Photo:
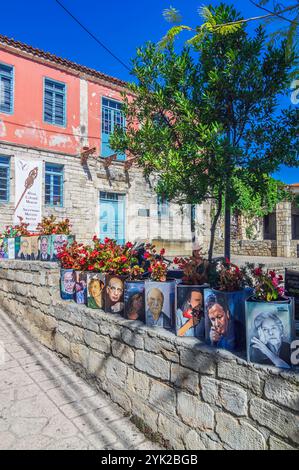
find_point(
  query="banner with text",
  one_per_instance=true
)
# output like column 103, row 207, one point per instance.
column 28, row 192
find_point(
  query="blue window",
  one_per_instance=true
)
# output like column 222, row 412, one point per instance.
column 4, row 178
column 54, row 185
column 6, row 88
column 112, row 116
column 54, row 102
column 163, row 206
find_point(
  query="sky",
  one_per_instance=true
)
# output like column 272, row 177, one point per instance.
column 122, row 25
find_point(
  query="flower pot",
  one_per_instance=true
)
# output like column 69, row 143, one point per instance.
column 80, row 287
column 58, row 241
column 67, row 284
column 269, row 331
column 11, row 248
column 159, row 303
column 45, row 243
column 225, row 318
column 3, row 248
column 29, row 248
column 134, row 300
column 189, row 310
column 114, row 293
column 95, row 290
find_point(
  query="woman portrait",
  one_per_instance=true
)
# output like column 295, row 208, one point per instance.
column 135, row 307
column 95, row 293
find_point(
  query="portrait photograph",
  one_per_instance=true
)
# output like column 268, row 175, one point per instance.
column 57, row 241
column 81, row 287
column 3, row 248
column 29, row 248
column 67, row 284
column 190, row 320
column 95, row 290
column 269, row 333
column 134, row 301
column 223, row 327
column 45, row 247
column 114, row 294
column 159, row 304
column 11, row 244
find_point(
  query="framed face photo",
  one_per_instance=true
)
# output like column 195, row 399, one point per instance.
column 159, row 303
column 269, row 333
column 67, row 284
column 11, row 248
column 95, row 290
column 114, row 294
column 223, row 328
column 190, row 311
column 3, row 248
column 134, row 300
column 58, row 241
column 81, row 287
column 45, row 244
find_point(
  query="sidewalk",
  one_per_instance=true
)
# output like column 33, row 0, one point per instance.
column 45, row 405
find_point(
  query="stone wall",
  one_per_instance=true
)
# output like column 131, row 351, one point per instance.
column 187, row 394
column 249, row 247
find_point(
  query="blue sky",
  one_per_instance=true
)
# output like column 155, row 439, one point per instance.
column 122, row 25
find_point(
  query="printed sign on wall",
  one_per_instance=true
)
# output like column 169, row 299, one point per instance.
column 28, row 192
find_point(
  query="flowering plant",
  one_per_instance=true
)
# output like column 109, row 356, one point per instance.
column 109, row 257
column 268, row 284
column 13, row 231
column 195, row 268
column 232, row 278
column 74, row 256
column 49, row 226
column 157, row 266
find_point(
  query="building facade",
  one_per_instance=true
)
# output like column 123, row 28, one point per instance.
column 61, row 113
column 55, row 111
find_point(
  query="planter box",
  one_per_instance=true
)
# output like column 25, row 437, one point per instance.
column 3, row 248
column 80, row 287
column 225, row 318
column 57, row 241
column 95, row 290
column 67, row 284
column 159, row 303
column 114, row 294
column 29, row 248
column 134, row 300
column 270, row 331
column 45, row 247
column 189, row 310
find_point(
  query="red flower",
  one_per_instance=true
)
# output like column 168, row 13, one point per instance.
column 146, row 255
column 162, row 251
column 129, row 245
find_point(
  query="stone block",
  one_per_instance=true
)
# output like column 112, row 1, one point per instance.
column 277, row 444
column 152, row 365
column 228, row 396
column 193, row 441
column 138, row 384
column 62, row 345
column 132, row 339
column 282, row 392
column 242, row 375
column 116, row 371
column 123, row 352
column 194, row 413
column 96, row 364
column 238, row 435
column 98, row 342
column 196, row 360
column 172, row 431
column 184, row 378
column 281, row 422
column 162, row 397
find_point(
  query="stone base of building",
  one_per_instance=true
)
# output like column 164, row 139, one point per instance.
column 249, row 247
column 187, row 394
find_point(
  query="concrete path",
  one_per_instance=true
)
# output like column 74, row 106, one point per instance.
column 44, row 405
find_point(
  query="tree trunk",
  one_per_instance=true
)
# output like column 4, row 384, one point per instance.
column 227, row 221
column 192, row 222
column 214, row 225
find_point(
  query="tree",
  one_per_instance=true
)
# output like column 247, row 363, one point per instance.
column 209, row 124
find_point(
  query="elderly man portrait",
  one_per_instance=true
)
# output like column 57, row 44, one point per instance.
column 154, row 314
column 114, row 298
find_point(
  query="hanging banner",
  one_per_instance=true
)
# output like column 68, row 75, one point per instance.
column 28, row 192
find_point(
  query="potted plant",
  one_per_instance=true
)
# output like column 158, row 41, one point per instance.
column 269, row 320
column 53, row 235
column 225, row 306
column 73, row 259
column 13, row 234
column 189, row 299
column 159, row 292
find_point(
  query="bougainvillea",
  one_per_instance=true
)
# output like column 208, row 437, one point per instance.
column 49, row 226
column 74, row 256
column 13, row 231
column 232, row 278
column 195, row 268
column 268, row 284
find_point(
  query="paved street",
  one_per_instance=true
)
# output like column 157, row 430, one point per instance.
column 44, row 405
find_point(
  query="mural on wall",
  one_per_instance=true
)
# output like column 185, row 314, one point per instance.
column 159, row 303
column 114, row 294
column 269, row 332
column 134, row 300
column 95, row 290
column 190, row 311
column 28, row 192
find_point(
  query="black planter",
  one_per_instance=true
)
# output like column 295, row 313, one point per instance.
column 225, row 318
column 269, row 331
column 134, row 300
column 159, row 303
column 189, row 310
